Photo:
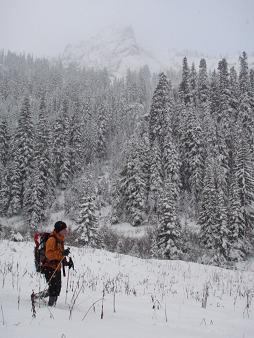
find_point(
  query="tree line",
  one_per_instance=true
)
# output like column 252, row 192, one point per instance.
column 171, row 152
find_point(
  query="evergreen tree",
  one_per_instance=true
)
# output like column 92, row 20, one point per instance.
column 24, row 145
column 208, row 211
column 192, row 155
column 171, row 163
column 238, row 241
column 77, row 155
column 244, row 74
column 252, row 80
column 156, row 178
column 43, row 156
column 235, row 93
column 225, row 119
column 214, row 96
column 4, row 192
column 4, row 143
column 169, row 233
column 15, row 202
column 245, row 178
column 102, row 129
column 88, row 231
column 65, row 170
column 159, row 111
column 61, row 148
column 203, row 85
column 132, row 185
column 34, row 199
column 58, row 148
column 194, row 85
column 185, row 87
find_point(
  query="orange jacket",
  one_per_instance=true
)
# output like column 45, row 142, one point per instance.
column 54, row 250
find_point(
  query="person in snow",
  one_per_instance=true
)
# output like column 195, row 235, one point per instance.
column 55, row 258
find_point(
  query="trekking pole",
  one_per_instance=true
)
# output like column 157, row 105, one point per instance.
column 55, row 270
column 71, row 265
column 67, row 286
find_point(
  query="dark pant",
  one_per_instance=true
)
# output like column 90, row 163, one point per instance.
column 54, row 282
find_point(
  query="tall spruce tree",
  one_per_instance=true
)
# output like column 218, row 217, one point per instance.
column 4, row 191
column 185, row 87
column 88, row 231
column 159, row 111
column 208, row 211
column 4, row 142
column 22, row 158
column 133, row 185
column 245, row 178
column 76, row 137
column 169, row 232
column 237, row 235
column 156, row 178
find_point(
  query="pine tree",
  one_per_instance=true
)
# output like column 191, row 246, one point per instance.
column 221, row 233
column 194, row 85
column 4, row 192
column 235, row 93
column 88, row 231
column 214, row 93
column 15, row 202
column 22, row 159
column 65, row 170
column 61, row 148
column 156, row 178
column 203, row 85
column 169, row 233
column 43, row 156
column 252, row 80
column 225, row 120
column 244, row 74
column 185, row 87
column 24, row 145
column 208, row 211
column 102, row 129
column 159, row 111
column 4, row 143
column 77, row 154
column 245, row 178
column 192, row 155
column 34, row 199
column 245, row 115
column 238, row 241
column 171, row 164
column 58, row 148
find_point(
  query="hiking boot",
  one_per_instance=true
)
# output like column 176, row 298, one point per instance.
column 52, row 300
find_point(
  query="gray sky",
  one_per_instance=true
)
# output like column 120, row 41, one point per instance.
column 44, row 27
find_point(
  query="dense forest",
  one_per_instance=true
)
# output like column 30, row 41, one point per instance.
column 156, row 154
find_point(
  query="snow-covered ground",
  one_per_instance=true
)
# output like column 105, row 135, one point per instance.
column 152, row 298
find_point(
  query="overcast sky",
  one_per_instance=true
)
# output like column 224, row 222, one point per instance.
column 44, row 27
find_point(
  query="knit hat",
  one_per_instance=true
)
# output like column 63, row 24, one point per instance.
column 59, row 226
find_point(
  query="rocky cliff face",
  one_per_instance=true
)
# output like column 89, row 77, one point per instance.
column 114, row 49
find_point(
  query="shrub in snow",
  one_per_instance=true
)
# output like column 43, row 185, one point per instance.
column 16, row 236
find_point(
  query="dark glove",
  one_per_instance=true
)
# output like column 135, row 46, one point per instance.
column 71, row 264
column 66, row 252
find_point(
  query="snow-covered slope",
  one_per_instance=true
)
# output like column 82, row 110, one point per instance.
column 115, row 49
column 143, row 298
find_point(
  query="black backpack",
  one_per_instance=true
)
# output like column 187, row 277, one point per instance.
column 40, row 240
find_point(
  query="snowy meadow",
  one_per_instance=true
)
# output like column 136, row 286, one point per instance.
column 113, row 295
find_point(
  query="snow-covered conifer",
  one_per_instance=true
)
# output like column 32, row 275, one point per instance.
column 169, row 232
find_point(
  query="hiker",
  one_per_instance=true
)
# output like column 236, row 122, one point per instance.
column 55, row 257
